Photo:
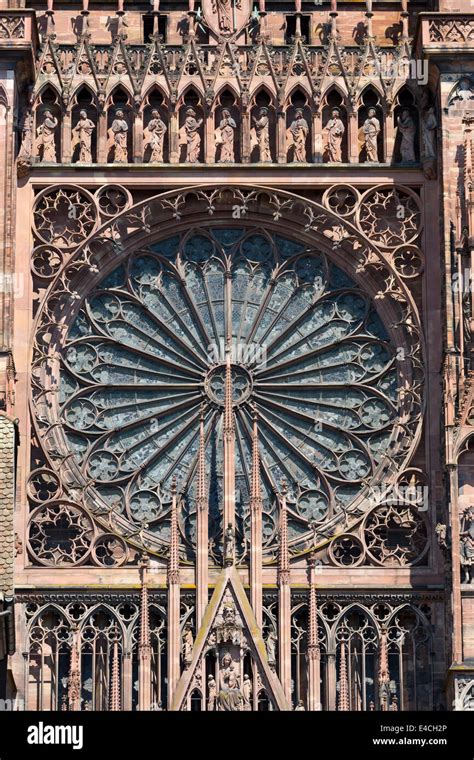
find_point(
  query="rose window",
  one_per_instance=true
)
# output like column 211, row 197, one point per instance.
column 146, row 355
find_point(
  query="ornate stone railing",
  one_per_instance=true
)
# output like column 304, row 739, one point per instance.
column 446, row 30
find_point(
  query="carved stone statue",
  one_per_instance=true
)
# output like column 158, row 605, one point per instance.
column 224, row 136
column 429, row 125
column 270, row 644
column 247, row 693
column 300, row 706
column 260, row 135
column 82, row 136
column 296, row 136
column 211, row 693
column 467, row 543
column 26, row 149
column 441, row 535
column 189, row 136
column 154, row 136
column 188, row 643
column 229, row 545
column 464, row 92
column 371, row 129
column 118, row 139
column 230, row 696
column 223, row 9
column 45, row 146
column 334, row 133
column 407, row 129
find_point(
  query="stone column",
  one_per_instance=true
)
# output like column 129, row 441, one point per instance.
column 137, row 136
column 331, row 679
column 353, row 136
column 317, row 137
column 66, row 127
column 102, row 137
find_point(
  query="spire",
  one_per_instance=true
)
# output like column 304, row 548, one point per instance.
column 201, row 474
column 343, row 684
column 313, row 641
column 144, row 613
column 156, row 14
column 333, row 16
column 404, row 17
column 228, row 409
column 314, row 654
column 120, row 13
column 202, row 528
column 256, row 527
column 229, row 446
column 384, row 675
column 115, row 678
column 255, row 485
column 85, row 22
column 144, row 646
column 74, row 679
column 50, row 18
column 369, row 15
column 284, row 560
column 173, row 564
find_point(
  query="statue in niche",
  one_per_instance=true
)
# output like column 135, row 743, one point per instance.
column 224, row 11
column 229, row 545
column 467, row 543
column 300, row 706
column 370, row 131
column 296, row 136
column 211, row 693
column 224, row 136
column 188, row 643
column 260, row 135
column 118, row 139
column 270, row 644
column 82, row 136
column 230, row 696
column 189, row 136
column 26, row 149
column 154, row 136
column 334, row 133
column 429, row 125
column 27, row 136
column 464, row 92
column 247, row 693
column 45, row 140
column 407, row 129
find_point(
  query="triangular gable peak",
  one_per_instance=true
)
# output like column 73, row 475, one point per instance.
column 229, row 634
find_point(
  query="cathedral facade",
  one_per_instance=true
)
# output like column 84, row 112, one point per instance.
column 236, row 389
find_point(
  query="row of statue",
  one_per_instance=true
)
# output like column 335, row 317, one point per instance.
column 190, row 138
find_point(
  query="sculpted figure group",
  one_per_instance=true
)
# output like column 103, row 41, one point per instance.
column 191, row 133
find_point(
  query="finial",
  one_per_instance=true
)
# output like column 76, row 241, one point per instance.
column 50, row 17
column 333, row 15
column 404, row 15
column 173, row 484
column 368, row 15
